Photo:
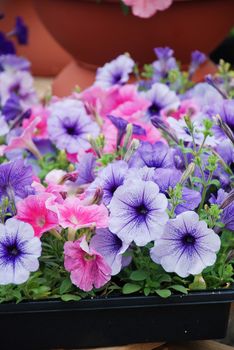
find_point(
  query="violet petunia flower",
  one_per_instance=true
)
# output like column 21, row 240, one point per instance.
column 115, row 72
column 69, row 125
column 197, row 58
column 12, row 108
column 20, row 31
column 20, row 83
column 138, row 212
column 85, row 169
column 166, row 62
column 110, row 247
column 158, row 155
column 15, row 180
column 227, row 217
column 169, row 178
column 187, row 246
column 19, row 252
column 13, row 62
column 6, row 46
column 109, row 179
column 161, row 98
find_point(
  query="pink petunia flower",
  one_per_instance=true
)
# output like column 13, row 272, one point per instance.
column 76, row 215
column 147, row 8
column 88, row 268
column 34, row 211
column 187, row 107
column 25, row 139
column 40, row 132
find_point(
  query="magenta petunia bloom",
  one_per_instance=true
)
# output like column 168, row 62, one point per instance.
column 33, row 210
column 88, row 268
column 187, row 246
column 73, row 213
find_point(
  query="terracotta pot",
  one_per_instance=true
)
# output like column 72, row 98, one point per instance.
column 46, row 55
column 95, row 33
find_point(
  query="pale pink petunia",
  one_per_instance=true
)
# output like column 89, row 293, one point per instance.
column 25, row 139
column 147, row 8
column 55, row 176
column 187, row 107
column 40, row 131
column 88, row 268
column 73, row 213
column 33, row 210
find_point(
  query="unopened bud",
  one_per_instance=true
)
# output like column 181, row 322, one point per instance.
column 224, row 127
column 187, row 173
column 132, row 149
column 228, row 200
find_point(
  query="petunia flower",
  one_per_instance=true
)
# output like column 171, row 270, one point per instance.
column 6, row 46
column 69, row 125
column 15, row 179
column 161, row 98
column 147, row 8
column 34, row 211
column 13, row 63
column 25, row 141
column 20, row 31
column 19, row 252
column 40, row 132
column 12, row 108
column 187, row 246
column 110, row 247
column 115, row 72
column 72, row 213
column 88, row 267
column 138, row 212
column 166, row 62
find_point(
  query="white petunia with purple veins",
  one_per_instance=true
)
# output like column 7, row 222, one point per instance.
column 115, row 72
column 187, row 246
column 138, row 212
column 111, row 247
column 19, row 252
column 69, row 125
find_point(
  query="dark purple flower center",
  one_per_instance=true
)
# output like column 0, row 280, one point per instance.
column 188, row 239
column 13, row 250
column 116, row 78
column 15, row 88
column 72, row 129
column 154, row 109
column 142, row 209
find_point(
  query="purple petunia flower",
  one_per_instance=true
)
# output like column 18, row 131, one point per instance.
column 20, row 83
column 85, row 169
column 19, row 252
column 161, row 97
column 121, row 125
column 110, row 247
column 227, row 217
column 15, row 179
column 6, row 46
column 169, row 178
column 115, row 72
column 12, row 108
column 138, row 212
column 164, row 64
column 109, row 179
column 225, row 109
column 197, row 58
column 13, row 62
column 157, row 155
column 187, row 246
column 69, row 125
column 20, row 31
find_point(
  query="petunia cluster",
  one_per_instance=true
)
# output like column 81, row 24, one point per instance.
column 123, row 187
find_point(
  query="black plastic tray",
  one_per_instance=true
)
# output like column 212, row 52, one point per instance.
column 114, row 321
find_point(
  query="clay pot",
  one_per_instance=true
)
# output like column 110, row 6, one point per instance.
column 94, row 33
column 46, row 55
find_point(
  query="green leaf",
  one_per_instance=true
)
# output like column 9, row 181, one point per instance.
column 164, row 278
column 214, row 182
column 65, row 286
column 179, row 288
column 146, row 291
column 70, row 297
column 138, row 276
column 129, row 288
column 197, row 179
column 164, row 293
